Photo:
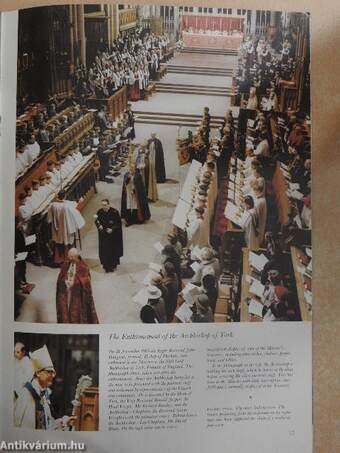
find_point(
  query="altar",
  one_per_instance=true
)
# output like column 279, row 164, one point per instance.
column 212, row 32
column 212, row 40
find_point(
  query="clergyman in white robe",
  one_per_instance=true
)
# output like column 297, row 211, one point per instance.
column 66, row 220
column 249, row 223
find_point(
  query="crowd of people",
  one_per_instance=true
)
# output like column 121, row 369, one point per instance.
column 175, row 284
column 265, row 138
column 263, row 67
column 246, row 154
column 111, row 144
column 165, row 292
column 40, row 128
column 132, row 61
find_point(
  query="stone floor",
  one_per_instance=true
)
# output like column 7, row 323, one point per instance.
column 184, row 103
column 193, row 79
column 113, row 293
column 206, row 60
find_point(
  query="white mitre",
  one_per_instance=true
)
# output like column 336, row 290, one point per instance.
column 41, row 359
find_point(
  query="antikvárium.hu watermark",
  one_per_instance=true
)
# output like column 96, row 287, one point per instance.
column 24, row 445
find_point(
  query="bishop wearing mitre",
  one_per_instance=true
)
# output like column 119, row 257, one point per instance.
column 33, row 409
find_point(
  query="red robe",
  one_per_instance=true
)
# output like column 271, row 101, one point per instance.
column 81, row 309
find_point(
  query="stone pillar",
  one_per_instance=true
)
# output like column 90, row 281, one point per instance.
column 114, row 20
column 109, row 25
column 117, row 21
column 272, row 19
column 75, row 33
column 177, row 25
column 253, row 22
column 72, row 62
column 81, row 32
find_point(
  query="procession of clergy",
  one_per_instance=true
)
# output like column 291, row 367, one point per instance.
column 146, row 168
column 160, row 297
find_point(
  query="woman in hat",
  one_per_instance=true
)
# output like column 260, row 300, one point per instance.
column 155, row 301
column 209, row 265
column 203, row 312
column 157, row 281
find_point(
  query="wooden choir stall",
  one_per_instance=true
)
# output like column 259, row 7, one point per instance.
column 115, row 104
column 79, row 184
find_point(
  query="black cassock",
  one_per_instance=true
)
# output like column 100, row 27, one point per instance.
column 159, row 160
column 110, row 244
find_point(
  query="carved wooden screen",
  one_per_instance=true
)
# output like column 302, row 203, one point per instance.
column 96, row 31
column 59, row 49
column 33, row 69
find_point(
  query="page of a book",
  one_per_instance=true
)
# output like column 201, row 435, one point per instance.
column 162, row 291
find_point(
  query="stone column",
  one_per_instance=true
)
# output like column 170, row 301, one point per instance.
column 253, row 22
column 75, row 33
column 177, row 25
column 273, row 19
column 114, row 20
column 81, row 32
column 72, row 62
column 117, row 21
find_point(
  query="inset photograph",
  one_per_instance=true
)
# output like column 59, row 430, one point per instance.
column 56, row 382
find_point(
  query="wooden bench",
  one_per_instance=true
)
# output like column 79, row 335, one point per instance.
column 223, row 309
